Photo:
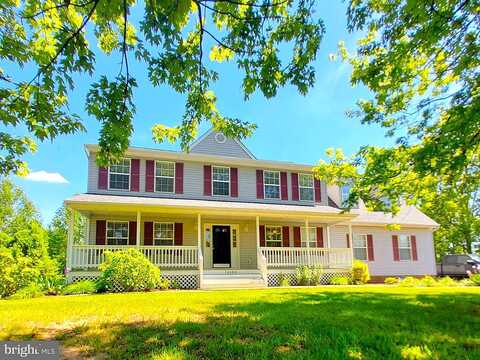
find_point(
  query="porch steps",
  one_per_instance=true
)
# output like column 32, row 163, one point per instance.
column 232, row 279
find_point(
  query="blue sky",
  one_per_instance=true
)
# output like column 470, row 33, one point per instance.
column 291, row 127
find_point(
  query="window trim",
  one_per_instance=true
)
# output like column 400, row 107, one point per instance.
column 129, row 176
column 117, row 221
column 356, row 247
column 306, row 187
column 281, row 234
column 229, row 180
column 279, row 185
column 155, row 176
column 409, row 248
column 309, row 239
column 164, row 222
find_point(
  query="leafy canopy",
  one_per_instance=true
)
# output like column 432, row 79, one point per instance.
column 173, row 40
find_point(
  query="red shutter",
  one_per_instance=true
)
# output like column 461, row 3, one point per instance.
column 233, row 182
column 132, row 233
column 370, row 255
column 148, row 233
column 285, row 236
column 294, row 186
column 348, row 240
column 262, row 235
column 396, row 252
column 135, row 175
column 178, row 178
column 101, row 232
column 318, row 191
column 103, row 178
column 260, row 194
column 207, row 180
column 297, row 237
column 320, row 237
column 283, row 185
column 178, row 234
column 149, row 176
column 413, row 241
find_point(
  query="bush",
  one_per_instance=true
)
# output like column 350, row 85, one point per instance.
column 447, row 281
column 283, row 280
column 475, row 279
column 164, row 284
column 308, row 275
column 360, row 274
column 339, row 280
column 391, row 280
column 80, row 287
column 128, row 269
column 428, row 281
column 317, row 272
column 28, row 292
column 409, row 281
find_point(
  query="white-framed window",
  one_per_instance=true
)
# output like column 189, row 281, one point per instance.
column 119, row 175
column 312, row 237
column 165, row 176
column 305, row 185
column 344, row 194
column 360, row 247
column 163, row 233
column 220, row 180
column 273, row 236
column 271, row 184
column 405, row 247
column 117, row 232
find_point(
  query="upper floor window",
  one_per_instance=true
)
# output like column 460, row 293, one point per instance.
column 164, row 176
column 311, row 240
column 119, row 175
column 405, row 247
column 360, row 247
column 163, row 234
column 305, row 185
column 117, row 232
column 344, row 194
column 273, row 236
column 220, row 180
column 271, row 181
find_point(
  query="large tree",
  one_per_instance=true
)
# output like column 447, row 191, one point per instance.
column 172, row 39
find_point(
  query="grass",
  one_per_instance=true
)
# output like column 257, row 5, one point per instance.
column 369, row 322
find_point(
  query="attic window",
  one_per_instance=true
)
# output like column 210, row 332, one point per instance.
column 220, row 138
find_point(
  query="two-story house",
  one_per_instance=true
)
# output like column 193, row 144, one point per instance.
column 219, row 217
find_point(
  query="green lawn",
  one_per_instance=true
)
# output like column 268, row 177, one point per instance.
column 370, row 322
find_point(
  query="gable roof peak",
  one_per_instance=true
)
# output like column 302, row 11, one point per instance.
column 216, row 143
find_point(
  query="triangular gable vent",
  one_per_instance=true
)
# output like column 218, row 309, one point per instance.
column 216, row 143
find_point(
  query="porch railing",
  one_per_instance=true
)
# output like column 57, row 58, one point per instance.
column 288, row 257
column 91, row 256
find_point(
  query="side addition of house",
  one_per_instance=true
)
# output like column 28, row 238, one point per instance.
column 219, row 217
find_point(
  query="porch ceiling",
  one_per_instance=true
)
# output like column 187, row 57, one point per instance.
column 88, row 203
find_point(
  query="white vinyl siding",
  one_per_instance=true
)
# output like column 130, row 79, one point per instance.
column 117, row 233
column 405, row 247
column 119, row 175
column 271, row 181
column 164, row 176
column 273, row 236
column 360, row 247
column 305, row 185
column 163, row 234
column 220, row 180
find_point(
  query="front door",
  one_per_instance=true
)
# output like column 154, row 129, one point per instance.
column 221, row 246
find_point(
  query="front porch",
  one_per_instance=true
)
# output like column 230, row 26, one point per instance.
column 202, row 245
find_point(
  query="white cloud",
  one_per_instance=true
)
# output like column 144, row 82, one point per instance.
column 43, row 176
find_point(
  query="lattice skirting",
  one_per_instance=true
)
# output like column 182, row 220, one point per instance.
column 185, row 280
column 274, row 277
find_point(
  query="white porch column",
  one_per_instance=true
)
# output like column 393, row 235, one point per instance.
column 71, row 221
column 199, row 231
column 350, row 236
column 329, row 245
column 257, row 221
column 307, row 238
column 199, row 249
column 139, row 226
column 86, row 237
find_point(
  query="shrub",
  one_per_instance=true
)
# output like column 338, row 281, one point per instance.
column 339, row 280
column 173, row 284
column 428, row 281
column 128, row 269
column 360, row 274
column 475, row 279
column 164, row 284
column 80, row 287
column 391, row 280
column 28, row 292
column 303, row 275
column 283, row 280
column 409, row 281
column 447, row 281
